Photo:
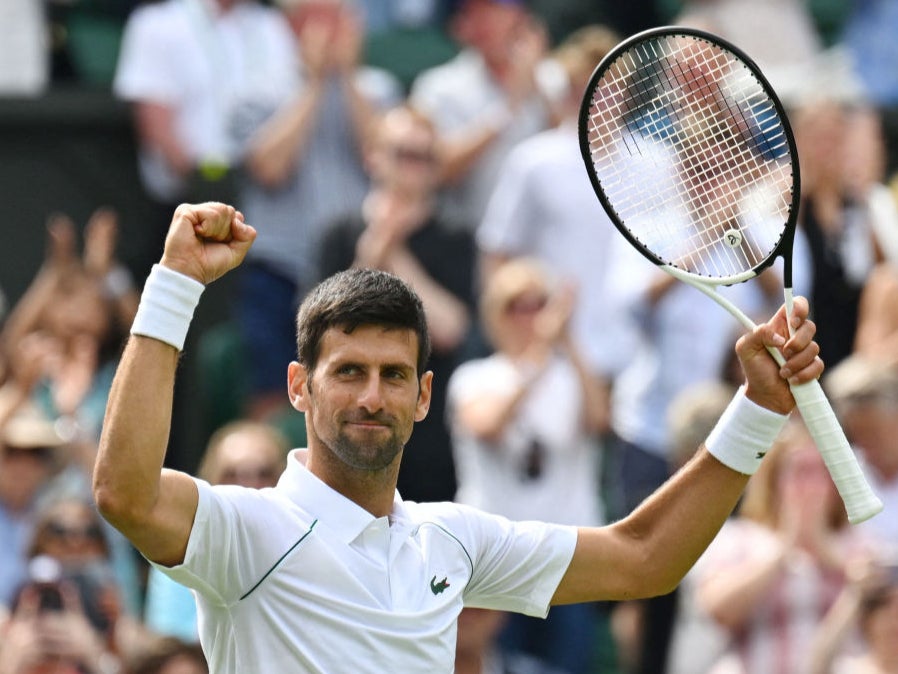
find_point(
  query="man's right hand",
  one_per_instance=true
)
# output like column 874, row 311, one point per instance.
column 205, row 241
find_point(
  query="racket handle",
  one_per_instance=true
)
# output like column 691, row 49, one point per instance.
column 860, row 501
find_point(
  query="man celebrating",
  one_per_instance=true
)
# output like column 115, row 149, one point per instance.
column 331, row 570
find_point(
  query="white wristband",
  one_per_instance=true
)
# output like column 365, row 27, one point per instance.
column 744, row 434
column 166, row 306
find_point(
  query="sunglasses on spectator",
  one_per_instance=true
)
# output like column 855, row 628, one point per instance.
column 35, row 453
column 413, row 155
column 526, row 304
column 90, row 532
column 239, row 474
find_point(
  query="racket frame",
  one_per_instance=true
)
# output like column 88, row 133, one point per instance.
column 860, row 501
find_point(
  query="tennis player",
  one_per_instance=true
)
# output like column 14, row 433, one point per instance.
column 331, row 571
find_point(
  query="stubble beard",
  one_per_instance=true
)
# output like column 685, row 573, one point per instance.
column 369, row 457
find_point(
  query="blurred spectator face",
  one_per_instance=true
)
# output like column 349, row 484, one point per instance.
column 23, row 471
column 70, row 532
column 29, row 446
column 803, row 476
column 404, row 157
column 872, row 425
column 802, row 485
column 79, row 310
column 820, row 131
column 490, row 26
column 250, row 455
column 513, row 299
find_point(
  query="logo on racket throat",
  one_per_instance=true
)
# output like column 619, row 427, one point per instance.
column 733, row 238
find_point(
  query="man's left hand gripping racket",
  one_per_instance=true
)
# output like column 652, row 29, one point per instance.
column 692, row 156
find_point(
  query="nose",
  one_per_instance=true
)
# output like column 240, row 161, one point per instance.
column 371, row 396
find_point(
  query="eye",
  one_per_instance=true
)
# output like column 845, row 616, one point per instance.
column 348, row 370
column 394, row 373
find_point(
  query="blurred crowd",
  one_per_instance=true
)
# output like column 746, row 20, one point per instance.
column 437, row 140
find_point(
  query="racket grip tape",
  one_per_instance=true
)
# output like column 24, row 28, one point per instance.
column 860, row 502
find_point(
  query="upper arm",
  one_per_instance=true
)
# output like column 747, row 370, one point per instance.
column 162, row 534
column 606, row 566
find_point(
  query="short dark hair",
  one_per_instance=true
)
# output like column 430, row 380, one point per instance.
column 357, row 297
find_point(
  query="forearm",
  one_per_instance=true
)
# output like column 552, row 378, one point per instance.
column 276, row 148
column 26, row 313
column 447, row 316
column 833, row 630
column 731, row 596
column 594, row 389
column 156, row 128
column 462, row 151
column 362, row 113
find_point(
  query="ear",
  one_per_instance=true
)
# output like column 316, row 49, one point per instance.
column 297, row 386
column 424, row 395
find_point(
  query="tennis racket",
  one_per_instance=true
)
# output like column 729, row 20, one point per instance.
column 691, row 154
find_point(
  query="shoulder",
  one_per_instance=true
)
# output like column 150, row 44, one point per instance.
column 157, row 17
column 493, row 369
column 449, row 74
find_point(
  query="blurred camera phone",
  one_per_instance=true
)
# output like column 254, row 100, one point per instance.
column 50, row 597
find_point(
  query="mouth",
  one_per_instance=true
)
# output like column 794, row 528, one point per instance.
column 369, row 424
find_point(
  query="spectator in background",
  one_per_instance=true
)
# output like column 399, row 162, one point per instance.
column 543, row 206
column 245, row 453
column 865, row 177
column 833, row 218
column 780, row 35
column 866, row 611
column 302, row 158
column 771, row 580
column 399, row 230
column 864, row 393
column 24, row 49
column 62, row 341
column 69, row 532
column 184, row 66
column 72, row 320
column 525, row 424
column 497, row 91
column 68, row 613
column 30, row 454
column 876, row 337
column 49, row 630
column 170, row 656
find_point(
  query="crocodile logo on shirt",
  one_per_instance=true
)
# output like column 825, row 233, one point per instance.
column 436, row 587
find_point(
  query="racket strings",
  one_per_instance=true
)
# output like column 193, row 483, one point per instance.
column 691, row 154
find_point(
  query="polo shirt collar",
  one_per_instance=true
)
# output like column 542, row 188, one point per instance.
column 341, row 515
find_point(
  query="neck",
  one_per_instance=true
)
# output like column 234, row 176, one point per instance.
column 372, row 490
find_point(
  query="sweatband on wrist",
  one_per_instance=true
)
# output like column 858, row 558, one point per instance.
column 166, row 307
column 744, row 434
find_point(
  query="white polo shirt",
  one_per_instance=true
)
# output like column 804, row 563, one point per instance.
column 298, row 578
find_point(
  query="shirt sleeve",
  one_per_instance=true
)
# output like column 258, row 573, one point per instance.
column 508, row 223
column 228, row 552
column 143, row 71
column 517, row 566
